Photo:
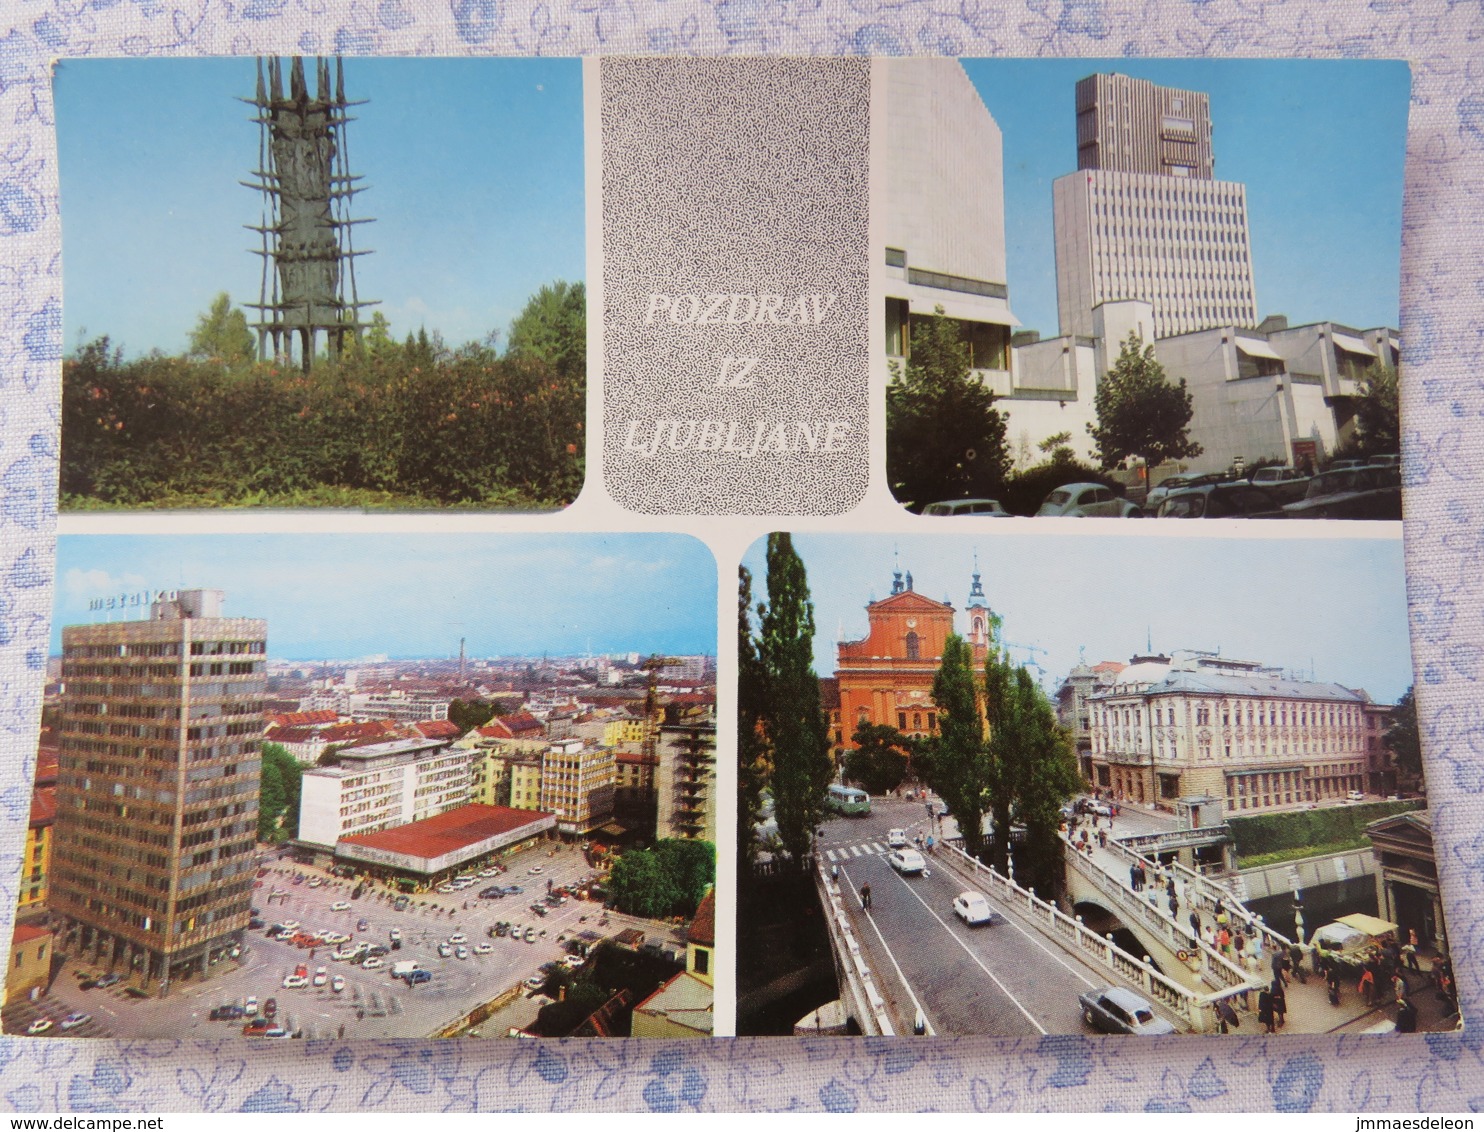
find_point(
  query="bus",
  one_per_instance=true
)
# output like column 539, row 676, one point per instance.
column 848, row 800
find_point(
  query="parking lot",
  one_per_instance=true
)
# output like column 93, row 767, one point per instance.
column 372, row 1003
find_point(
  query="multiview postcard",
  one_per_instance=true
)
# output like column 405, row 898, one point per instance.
column 358, row 786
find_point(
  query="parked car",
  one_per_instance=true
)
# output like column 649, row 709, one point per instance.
column 987, row 508
column 295, row 982
column 906, row 861
column 40, row 1026
column 270, row 1008
column 75, row 1019
column 461, row 952
column 1113, row 1010
column 1220, row 501
column 337, row 984
column 1083, row 500
column 229, row 1013
column 321, row 977
column 372, row 963
column 1171, row 484
column 1355, row 796
column 109, row 980
column 418, row 976
column 972, row 908
column 400, row 904
column 444, row 951
column 340, row 906
column 1351, row 493
column 1285, row 484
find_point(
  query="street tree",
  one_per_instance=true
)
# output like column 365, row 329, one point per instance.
column 956, row 763
column 1001, row 711
column 222, row 335
column 1140, row 413
column 880, row 758
column 640, row 885
column 279, row 778
column 1403, row 737
column 752, row 746
column 691, row 869
column 466, row 715
column 1378, row 415
column 944, row 437
column 1047, row 776
column 793, row 717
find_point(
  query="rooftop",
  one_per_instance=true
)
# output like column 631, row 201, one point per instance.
column 448, row 832
column 703, row 927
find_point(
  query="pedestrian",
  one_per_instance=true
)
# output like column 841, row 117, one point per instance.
column 1103, row 838
column 1280, row 961
column 1411, row 951
column 1406, row 1017
column 1280, row 1002
column 1399, row 986
column 1296, row 961
column 1367, row 983
column 1265, row 1011
column 1174, row 906
column 1133, row 876
column 1171, row 888
column 835, row 873
column 1226, row 1017
column 1195, row 922
column 866, row 897
column 1332, row 980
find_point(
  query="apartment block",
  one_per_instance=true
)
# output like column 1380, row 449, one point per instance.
column 381, row 785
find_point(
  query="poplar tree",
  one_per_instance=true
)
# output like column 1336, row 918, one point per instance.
column 792, row 715
column 957, row 763
column 1048, row 776
column 752, row 748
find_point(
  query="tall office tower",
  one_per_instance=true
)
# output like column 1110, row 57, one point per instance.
column 1143, row 218
column 157, row 789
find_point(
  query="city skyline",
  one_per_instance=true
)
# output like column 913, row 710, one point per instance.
column 1349, row 628
column 337, row 597
column 474, row 172
column 1326, row 231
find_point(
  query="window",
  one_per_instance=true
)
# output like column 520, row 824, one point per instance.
column 703, row 961
column 914, row 646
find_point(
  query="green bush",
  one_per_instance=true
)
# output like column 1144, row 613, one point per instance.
column 1024, row 492
column 1263, row 834
column 403, row 426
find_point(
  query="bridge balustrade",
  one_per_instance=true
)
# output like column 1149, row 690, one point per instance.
column 863, row 1000
column 1198, row 1010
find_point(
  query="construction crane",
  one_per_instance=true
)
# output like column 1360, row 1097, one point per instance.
column 1031, row 661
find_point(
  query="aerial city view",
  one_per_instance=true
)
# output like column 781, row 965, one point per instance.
column 1106, row 294
column 1098, row 785
column 500, row 822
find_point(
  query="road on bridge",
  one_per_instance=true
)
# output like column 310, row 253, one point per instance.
column 1001, row 979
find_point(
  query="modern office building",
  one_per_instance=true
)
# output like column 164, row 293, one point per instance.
column 577, row 783
column 942, row 211
column 1173, row 727
column 157, row 790
column 1144, row 217
column 381, row 785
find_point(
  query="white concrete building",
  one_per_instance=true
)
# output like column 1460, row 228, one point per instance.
column 403, row 707
column 1194, row 723
column 381, row 785
column 577, row 784
column 941, row 209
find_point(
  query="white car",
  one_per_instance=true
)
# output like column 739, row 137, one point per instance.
column 290, row 926
column 334, row 937
column 906, row 861
column 444, row 951
column 987, row 507
column 340, row 906
column 294, row 982
column 1084, row 499
column 973, row 908
column 72, row 1021
column 483, row 948
column 395, row 934
column 461, row 952
column 572, row 962
column 372, row 963
column 40, row 1026
column 321, row 977
column 458, row 937
column 1355, row 796
column 896, row 838
column 337, row 984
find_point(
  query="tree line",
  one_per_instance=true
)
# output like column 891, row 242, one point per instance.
column 393, row 423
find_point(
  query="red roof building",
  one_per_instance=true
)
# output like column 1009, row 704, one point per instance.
column 444, row 843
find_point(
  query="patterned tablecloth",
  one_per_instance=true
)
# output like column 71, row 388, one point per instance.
column 1443, row 343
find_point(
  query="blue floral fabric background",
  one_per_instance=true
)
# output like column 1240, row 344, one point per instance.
column 1443, row 343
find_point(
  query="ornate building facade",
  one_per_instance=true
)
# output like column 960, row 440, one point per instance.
column 1199, row 724
column 886, row 678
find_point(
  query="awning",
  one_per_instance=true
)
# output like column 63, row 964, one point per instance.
column 1257, row 349
column 1353, row 344
column 1371, row 925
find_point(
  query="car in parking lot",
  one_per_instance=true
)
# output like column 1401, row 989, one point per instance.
column 444, row 951
column 972, row 908
column 1355, row 796
column 461, row 952
column 228, row 1013
column 988, row 508
column 1220, row 501
column 362, row 924
column 530, row 935
column 340, row 906
column 321, row 977
column 315, row 882
column 906, row 861
column 372, row 963
column 337, row 984
column 334, row 937
column 1171, row 484
column 294, row 982
column 1084, row 500
column 270, row 1008
column 1114, row 1010
column 400, row 904
column 75, row 1019
column 458, row 937
column 1351, row 493
column 394, row 935
column 483, row 948
column 414, row 978
column 250, row 1005
column 572, row 962
column 109, row 980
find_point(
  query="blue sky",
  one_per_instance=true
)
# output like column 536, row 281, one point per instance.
column 1338, row 604
column 1320, row 146
column 346, row 596
column 475, row 168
